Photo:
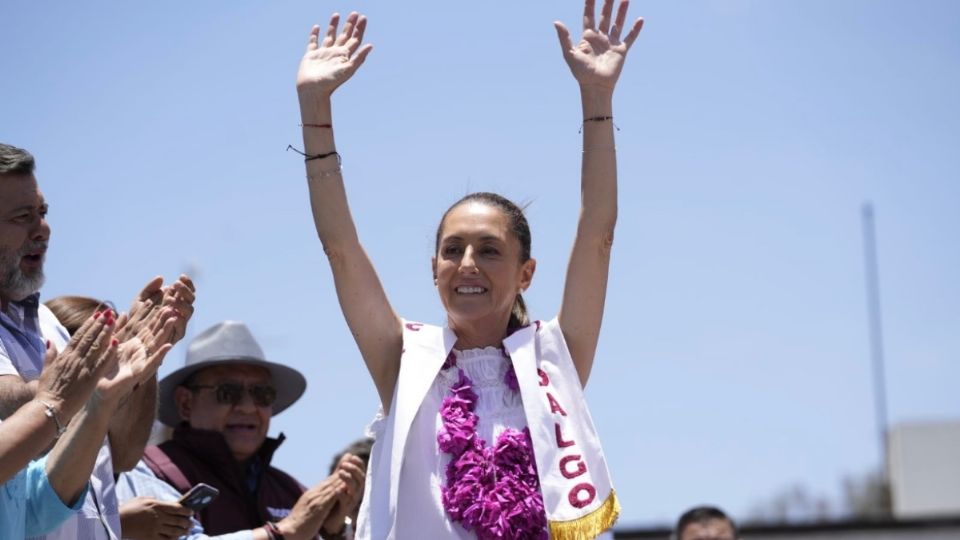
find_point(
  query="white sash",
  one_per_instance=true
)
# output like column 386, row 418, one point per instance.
column 578, row 495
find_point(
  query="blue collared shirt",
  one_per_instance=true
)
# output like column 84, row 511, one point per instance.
column 21, row 346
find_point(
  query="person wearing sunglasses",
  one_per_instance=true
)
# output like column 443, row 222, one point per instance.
column 220, row 404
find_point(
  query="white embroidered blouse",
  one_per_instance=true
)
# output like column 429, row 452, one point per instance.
column 420, row 512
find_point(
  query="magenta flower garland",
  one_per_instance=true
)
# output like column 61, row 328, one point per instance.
column 492, row 491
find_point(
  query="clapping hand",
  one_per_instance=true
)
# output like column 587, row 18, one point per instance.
column 350, row 469
column 312, row 509
column 69, row 378
column 179, row 297
column 598, row 58
column 134, row 366
column 154, row 309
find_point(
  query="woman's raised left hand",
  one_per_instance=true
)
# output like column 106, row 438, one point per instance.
column 598, row 58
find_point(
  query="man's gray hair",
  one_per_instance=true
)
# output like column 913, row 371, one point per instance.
column 15, row 160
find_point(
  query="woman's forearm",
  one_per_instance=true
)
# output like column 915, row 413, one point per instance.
column 71, row 461
column 328, row 197
column 23, row 436
column 584, row 293
column 131, row 426
column 599, row 165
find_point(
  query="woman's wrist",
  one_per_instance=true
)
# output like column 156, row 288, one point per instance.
column 102, row 402
column 273, row 532
column 315, row 107
column 46, row 396
column 596, row 101
column 313, row 91
column 596, row 91
column 100, row 407
column 53, row 413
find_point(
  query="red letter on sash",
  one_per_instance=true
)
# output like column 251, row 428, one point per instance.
column 414, row 326
column 560, row 442
column 581, row 466
column 574, row 498
column 554, row 406
column 544, row 380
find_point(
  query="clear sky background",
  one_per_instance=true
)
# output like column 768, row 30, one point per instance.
column 734, row 358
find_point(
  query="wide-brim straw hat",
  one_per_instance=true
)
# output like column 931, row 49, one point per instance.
column 229, row 342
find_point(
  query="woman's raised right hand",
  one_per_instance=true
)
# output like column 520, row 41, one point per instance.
column 70, row 377
column 331, row 62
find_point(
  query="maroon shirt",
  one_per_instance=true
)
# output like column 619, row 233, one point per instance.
column 193, row 456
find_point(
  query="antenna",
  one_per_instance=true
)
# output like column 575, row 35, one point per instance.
column 876, row 332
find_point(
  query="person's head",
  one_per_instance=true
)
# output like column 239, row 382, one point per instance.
column 360, row 448
column 482, row 262
column 73, row 311
column 229, row 387
column 235, row 400
column 24, row 231
column 705, row 523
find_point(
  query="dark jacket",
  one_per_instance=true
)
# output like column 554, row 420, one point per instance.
column 195, row 455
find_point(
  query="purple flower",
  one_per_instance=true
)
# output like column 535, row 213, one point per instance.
column 493, row 491
column 512, row 449
column 454, row 441
column 463, row 389
column 450, row 361
column 510, row 378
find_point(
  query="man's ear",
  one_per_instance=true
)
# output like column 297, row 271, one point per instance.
column 183, row 398
column 433, row 266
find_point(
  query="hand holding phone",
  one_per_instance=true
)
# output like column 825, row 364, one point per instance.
column 199, row 497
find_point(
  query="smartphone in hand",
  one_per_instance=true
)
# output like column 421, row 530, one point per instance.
column 199, row 497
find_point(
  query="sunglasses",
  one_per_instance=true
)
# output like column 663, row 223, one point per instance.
column 232, row 393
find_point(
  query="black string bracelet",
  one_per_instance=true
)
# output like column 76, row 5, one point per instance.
column 308, row 157
column 598, row 119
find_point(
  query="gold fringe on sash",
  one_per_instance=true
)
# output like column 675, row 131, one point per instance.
column 589, row 526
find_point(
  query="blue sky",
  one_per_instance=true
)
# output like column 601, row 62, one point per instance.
column 733, row 360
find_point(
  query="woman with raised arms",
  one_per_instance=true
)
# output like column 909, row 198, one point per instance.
column 484, row 431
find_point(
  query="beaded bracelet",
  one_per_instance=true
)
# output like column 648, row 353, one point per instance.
column 598, row 119
column 324, row 174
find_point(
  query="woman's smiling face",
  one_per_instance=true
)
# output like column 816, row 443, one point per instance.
column 478, row 268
